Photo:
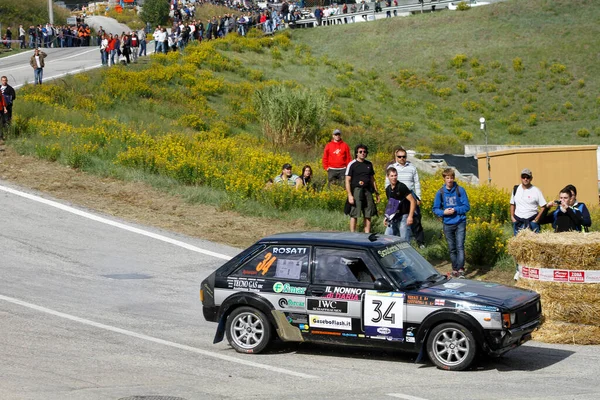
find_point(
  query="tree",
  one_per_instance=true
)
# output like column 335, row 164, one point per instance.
column 155, row 11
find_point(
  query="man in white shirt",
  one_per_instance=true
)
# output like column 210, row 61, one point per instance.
column 526, row 204
column 37, row 63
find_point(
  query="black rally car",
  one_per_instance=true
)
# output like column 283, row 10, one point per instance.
column 362, row 289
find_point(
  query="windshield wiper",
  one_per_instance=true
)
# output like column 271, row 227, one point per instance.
column 412, row 285
column 433, row 278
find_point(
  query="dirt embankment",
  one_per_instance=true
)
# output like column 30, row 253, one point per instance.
column 135, row 202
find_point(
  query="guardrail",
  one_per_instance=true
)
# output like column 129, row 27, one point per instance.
column 371, row 15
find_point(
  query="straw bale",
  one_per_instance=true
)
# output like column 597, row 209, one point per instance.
column 568, row 250
column 568, row 333
column 567, row 302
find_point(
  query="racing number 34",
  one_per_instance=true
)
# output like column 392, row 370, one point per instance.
column 388, row 315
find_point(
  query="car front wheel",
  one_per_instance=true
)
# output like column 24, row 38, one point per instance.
column 451, row 346
column 248, row 330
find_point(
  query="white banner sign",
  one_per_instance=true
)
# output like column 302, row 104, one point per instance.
column 559, row 275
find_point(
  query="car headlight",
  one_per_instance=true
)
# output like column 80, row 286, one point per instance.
column 508, row 319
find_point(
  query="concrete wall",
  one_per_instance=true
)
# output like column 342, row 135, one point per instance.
column 553, row 168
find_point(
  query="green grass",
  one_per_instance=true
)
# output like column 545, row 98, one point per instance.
column 28, row 12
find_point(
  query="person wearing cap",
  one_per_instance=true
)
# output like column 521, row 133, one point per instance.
column 527, row 204
column 287, row 178
column 336, row 158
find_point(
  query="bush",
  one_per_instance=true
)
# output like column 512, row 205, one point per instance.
column 290, row 115
column 463, row 6
column 515, row 129
column 583, row 133
column 155, row 11
column 518, row 64
column 485, row 242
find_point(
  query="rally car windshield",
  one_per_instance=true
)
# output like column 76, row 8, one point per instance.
column 406, row 266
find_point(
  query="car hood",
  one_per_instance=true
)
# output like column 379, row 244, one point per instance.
column 478, row 292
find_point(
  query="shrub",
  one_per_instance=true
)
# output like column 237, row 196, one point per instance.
column 558, row 68
column 583, row 133
column 568, row 105
column 290, row 115
column 485, row 242
column 581, row 83
column 463, row 6
column 458, row 60
column 155, row 11
column 518, row 64
column 532, row 120
column 462, row 87
column 515, row 129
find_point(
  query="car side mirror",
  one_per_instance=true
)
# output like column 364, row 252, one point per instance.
column 381, row 285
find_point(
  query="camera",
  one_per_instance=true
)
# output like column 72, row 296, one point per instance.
column 557, row 202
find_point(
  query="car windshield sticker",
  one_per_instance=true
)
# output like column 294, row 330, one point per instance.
column 264, row 266
column 327, row 322
column 453, row 285
column 289, row 250
column 393, row 248
column 332, row 306
column 384, row 314
column 288, row 269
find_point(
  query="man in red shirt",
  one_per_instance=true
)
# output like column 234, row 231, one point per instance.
column 336, row 157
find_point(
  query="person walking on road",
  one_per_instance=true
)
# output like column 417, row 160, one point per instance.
column 37, row 63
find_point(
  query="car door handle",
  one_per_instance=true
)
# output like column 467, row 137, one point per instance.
column 316, row 292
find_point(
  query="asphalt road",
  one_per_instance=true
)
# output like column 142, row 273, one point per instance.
column 96, row 308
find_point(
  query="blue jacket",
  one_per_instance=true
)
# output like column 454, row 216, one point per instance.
column 445, row 198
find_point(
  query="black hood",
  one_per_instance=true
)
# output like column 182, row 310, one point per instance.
column 478, row 292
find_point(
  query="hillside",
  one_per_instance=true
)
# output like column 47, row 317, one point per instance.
column 28, row 12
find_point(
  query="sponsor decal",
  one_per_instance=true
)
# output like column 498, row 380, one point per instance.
column 384, row 330
column 295, row 318
column 264, row 266
column 391, row 249
column 290, row 303
column 452, row 292
column 253, row 285
column 410, row 340
column 249, row 272
column 383, row 316
column 327, row 322
column 560, row 275
column 326, row 333
column 440, row 302
column 333, row 306
column 453, row 285
column 303, row 326
column 360, row 335
column 343, row 293
column 409, row 332
column 476, row 307
column 289, row 250
column 279, row 287
column 421, row 300
column 349, row 334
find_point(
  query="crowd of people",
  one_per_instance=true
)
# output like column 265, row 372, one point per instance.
column 402, row 215
column 48, row 36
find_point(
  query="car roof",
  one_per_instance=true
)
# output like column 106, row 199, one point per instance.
column 332, row 238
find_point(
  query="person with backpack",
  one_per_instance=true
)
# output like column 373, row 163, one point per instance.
column 401, row 206
column 452, row 204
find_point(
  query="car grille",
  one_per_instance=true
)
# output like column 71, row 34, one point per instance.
column 528, row 313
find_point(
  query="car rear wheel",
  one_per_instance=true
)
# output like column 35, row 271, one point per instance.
column 248, row 330
column 451, row 346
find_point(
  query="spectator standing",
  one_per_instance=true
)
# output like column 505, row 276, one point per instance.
column 360, row 187
column 141, row 35
column 32, row 37
column 22, row 37
column 9, row 95
column 336, row 157
column 527, row 204
column 452, row 204
column 104, row 50
column 409, row 175
column 398, row 217
column 3, row 112
column 585, row 213
column 566, row 217
column 287, row 178
column 8, row 37
column 37, row 63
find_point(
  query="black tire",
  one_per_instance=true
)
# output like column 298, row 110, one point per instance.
column 248, row 330
column 451, row 346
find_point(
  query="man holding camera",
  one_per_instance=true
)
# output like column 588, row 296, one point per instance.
column 526, row 204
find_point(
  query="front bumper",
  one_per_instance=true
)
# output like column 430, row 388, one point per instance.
column 210, row 313
column 500, row 341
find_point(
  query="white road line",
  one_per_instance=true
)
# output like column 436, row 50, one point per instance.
column 113, row 223
column 155, row 340
column 404, row 396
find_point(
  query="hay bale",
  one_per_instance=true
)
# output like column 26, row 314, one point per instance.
column 569, row 250
column 567, row 333
column 571, row 311
column 567, row 302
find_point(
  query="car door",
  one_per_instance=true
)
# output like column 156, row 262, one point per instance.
column 340, row 277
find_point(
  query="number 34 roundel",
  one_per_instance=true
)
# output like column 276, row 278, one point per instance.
column 384, row 315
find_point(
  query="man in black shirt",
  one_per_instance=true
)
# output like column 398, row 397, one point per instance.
column 400, row 208
column 9, row 96
column 360, row 186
